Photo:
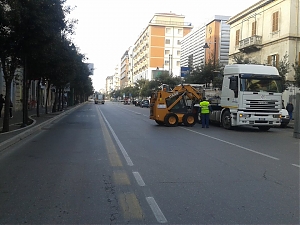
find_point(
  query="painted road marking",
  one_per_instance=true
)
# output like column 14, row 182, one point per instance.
column 120, row 178
column 129, row 201
column 138, row 178
column 296, row 165
column 229, row 143
column 156, row 210
column 125, row 154
column 130, row 206
column 113, row 155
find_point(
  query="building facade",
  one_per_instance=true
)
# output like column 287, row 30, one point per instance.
column 192, row 51
column 216, row 34
column 158, row 47
column 267, row 32
column 124, row 70
column 217, row 39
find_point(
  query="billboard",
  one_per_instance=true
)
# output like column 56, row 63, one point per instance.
column 184, row 71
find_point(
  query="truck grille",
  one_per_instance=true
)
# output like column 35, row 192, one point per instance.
column 272, row 105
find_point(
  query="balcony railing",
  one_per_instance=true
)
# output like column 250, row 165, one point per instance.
column 250, row 44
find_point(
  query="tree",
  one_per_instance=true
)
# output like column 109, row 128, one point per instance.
column 239, row 59
column 296, row 67
column 283, row 68
column 210, row 72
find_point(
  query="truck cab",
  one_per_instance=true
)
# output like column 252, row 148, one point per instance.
column 251, row 96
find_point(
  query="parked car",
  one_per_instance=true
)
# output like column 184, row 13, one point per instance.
column 145, row 103
column 138, row 102
column 285, row 118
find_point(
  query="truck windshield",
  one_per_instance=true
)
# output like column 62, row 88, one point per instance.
column 261, row 85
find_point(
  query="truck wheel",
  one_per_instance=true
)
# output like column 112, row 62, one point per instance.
column 226, row 120
column 189, row 119
column 264, row 128
column 159, row 122
column 171, row 120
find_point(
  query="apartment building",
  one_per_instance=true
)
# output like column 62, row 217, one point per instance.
column 192, row 51
column 266, row 32
column 124, row 70
column 215, row 34
column 130, row 67
column 158, row 47
column 109, row 87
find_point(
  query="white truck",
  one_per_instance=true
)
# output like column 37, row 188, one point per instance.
column 99, row 98
column 251, row 96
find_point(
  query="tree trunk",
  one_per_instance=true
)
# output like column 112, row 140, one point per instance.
column 47, row 95
column 38, row 98
column 5, row 127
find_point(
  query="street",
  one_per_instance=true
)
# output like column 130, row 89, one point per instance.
column 111, row 164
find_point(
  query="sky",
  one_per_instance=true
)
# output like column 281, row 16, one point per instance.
column 107, row 28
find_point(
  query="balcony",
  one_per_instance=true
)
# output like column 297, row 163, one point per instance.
column 250, row 44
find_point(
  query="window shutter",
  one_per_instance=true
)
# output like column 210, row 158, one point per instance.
column 269, row 60
column 254, row 28
column 277, row 60
column 237, row 37
column 275, row 21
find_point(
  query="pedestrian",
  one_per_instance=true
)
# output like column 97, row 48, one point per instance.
column 283, row 104
column 290, row 109
column 10, row 109
column 2, row 102
column 205, row 109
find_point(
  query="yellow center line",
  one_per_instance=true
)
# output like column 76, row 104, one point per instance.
column 113, row 155
column 130, row 206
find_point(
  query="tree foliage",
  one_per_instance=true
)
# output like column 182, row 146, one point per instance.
column 209, row 73
column 296, row 67
column 283, row 68
column 35, row 35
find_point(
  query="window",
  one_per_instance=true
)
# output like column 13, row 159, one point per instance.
column 166, row 62
column 237, row 37
column 253, row 28
column 167, row 52
column 168, row 30
column 178, row 52
column 178, row 63
column 273, row 60
column 178, row 42
column 179, row 31
column 168, row 41
column 275, row 21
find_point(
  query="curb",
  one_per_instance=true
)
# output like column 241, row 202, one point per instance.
column 9, row 142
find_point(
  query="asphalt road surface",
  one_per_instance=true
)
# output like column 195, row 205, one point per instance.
column 111, row 164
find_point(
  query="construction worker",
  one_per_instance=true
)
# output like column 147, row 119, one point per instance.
column 205, row 108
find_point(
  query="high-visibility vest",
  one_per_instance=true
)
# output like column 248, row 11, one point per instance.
column 204, row 107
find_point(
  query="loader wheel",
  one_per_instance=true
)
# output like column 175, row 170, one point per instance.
column 226, row 120
column 159, row 122
column 189, row 119
column 171, row 120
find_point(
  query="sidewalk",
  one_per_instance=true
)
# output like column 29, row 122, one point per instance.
column 17, row 133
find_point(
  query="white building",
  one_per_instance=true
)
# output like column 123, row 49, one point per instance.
column 266, row 32
column 216, row 34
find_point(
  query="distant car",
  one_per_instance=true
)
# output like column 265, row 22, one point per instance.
column 145, row 103
column 285, row 118
column 138, row 102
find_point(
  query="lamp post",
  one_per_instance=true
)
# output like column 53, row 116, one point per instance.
column 215, row 49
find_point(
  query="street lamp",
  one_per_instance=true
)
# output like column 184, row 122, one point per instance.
column 215, row 49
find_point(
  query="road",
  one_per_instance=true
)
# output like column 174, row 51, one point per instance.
column 111, row 164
